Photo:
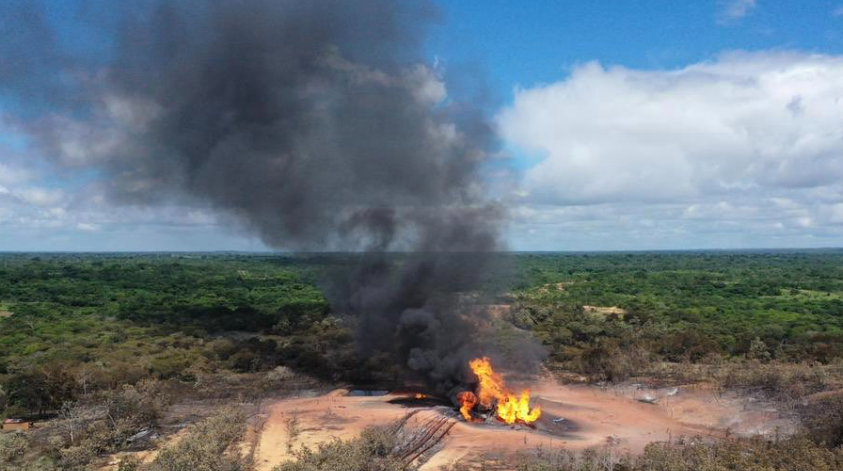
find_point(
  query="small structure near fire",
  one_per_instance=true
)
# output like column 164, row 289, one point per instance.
column 492, row 395
column 10, row 425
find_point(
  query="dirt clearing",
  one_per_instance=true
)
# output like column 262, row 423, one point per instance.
column 574, row 417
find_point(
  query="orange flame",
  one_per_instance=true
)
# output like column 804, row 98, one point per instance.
column 492, row 389
column 513, row 409
column 420, row 396
column 467, row 401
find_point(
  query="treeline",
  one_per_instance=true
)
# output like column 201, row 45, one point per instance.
column 73, row 324
column 599, row 313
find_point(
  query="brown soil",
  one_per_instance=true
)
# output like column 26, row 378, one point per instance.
column 590, row 417
column 605, row 310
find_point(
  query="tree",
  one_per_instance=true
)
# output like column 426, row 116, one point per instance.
column 758, row 350
column 204, row 449
column 39, row 390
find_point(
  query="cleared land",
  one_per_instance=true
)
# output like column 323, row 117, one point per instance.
column 590, row 417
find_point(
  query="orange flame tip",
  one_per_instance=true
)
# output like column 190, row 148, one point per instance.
column 492, row 389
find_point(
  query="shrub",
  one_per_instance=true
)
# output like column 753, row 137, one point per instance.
column 207, row 446
column 823, row 420
column 13, row 446
column 370, row 451
column 796, row 454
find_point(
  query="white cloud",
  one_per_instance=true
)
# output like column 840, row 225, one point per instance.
column 733, row 10
column 12, row 175
column 43, row 207
column 716, row 127
column 40, row 196
column 36, row 217
column 87, row 227
column 752, row 138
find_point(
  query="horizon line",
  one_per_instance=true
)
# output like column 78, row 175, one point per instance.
column 339, row 252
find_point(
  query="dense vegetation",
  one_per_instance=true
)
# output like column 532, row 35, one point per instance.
column 595, row 310
column 74, row 324
column 103, row 343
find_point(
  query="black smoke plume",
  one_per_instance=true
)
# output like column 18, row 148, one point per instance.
column 316, row 124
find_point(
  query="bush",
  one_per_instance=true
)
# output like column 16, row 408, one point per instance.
column 783, row 381
column 823, row 420
column 101, row 423
column 370, row 451
column 796, row 454
column 207, row 446
column 13, row 447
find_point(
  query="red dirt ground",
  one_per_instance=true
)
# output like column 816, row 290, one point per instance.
column 592, row 417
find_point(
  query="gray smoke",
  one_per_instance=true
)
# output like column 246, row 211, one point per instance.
column 317, row 125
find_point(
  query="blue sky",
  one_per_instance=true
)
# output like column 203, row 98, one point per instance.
column 632, row 125
column 525, row 43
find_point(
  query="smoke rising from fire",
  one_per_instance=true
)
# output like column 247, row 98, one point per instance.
column 317, row 125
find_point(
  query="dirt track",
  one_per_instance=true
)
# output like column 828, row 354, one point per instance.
column 590, row 417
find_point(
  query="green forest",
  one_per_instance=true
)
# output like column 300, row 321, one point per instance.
column 122, row 318
column 685, row 307
column 138, row 331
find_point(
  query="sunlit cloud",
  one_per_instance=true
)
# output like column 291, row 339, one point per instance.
column 749, row 142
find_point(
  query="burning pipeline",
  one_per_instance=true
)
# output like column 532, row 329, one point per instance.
column 492, row 393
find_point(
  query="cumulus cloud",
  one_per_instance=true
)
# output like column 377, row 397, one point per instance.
column 725, row 140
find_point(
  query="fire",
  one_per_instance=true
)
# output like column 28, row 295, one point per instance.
column 420, row 396
column 492, row 392
column 513, row 409
column 467, row 402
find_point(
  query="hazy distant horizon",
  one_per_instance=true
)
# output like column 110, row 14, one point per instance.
column 526, row 252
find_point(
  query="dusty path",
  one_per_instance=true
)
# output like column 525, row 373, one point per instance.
column 590, row 417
